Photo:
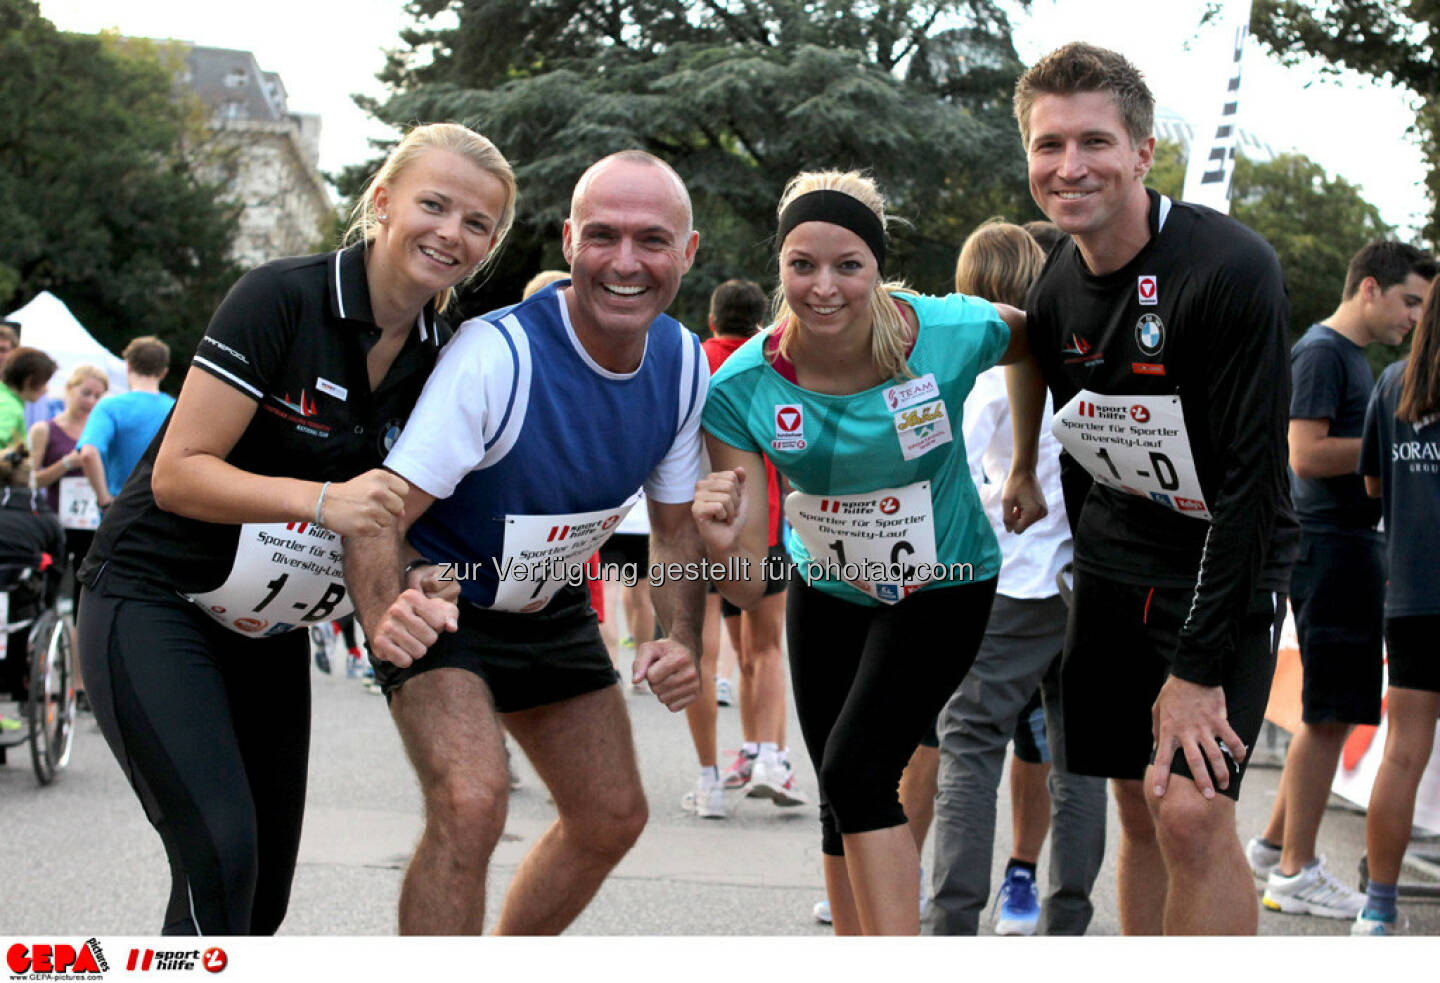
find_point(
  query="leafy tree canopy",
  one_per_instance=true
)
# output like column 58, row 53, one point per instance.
column 98, row 186
column 738, row 96
column 1314, row 222
column 1393, row 41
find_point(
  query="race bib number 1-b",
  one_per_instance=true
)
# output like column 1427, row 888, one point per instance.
column 286, row 575
column 1134, row 444
column 880, row 542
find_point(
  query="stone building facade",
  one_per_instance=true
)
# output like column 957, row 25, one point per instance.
column 270, row 155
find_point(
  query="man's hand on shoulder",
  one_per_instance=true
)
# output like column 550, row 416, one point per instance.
column 669, row 667
column 411, row 625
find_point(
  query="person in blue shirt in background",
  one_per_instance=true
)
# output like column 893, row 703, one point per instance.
column 122, row 426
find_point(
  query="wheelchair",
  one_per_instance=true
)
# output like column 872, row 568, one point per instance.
column 37, row 668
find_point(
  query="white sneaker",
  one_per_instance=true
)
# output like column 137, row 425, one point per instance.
column 1313, row 891
column 821, row 911
column 1366, row 925
column 724, row 692
column 774, row 779
column 1263, row 857
column 707, row 799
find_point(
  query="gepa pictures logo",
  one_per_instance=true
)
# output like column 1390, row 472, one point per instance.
column 55, row 960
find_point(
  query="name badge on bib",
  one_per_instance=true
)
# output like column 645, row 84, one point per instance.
column 79, row 508
column 1135, row 444
column 286, row 575
column 543, row 553
column 880, row 542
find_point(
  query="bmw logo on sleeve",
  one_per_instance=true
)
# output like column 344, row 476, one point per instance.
column 1150, row 334
column 389, row 434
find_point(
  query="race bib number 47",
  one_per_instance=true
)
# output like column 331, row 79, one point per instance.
column 1135, row 444
column 79, row 508
column 880, row 542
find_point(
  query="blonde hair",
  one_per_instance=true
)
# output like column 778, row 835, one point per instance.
column 542, row 280
column 889, row 332
column 998, row 262
column 83, row 372
column 456, row 139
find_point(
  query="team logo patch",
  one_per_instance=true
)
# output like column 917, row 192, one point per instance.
column 1080, row 352
column 1147, row 288
column 330, row 388
column 912, row 393
column 789, row 428
column 1150, row 334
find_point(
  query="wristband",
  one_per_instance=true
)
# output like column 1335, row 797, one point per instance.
column 320, row 506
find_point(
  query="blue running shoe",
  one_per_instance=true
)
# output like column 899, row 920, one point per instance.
column 1017, row 909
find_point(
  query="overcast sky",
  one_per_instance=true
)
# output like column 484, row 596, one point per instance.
column 325, row 50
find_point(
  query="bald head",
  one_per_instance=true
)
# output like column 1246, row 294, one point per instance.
column 632, row 159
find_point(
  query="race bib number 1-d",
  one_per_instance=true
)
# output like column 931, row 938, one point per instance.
column 1134, row 444
column 880, row 542
column 286, row 575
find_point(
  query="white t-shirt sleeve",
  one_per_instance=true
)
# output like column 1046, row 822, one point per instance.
column 673, row 480
column 467, row 409
column 985, row 408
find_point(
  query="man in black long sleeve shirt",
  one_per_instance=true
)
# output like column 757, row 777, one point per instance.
column 1160, row 329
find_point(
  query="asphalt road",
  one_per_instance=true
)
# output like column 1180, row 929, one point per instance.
column 78, row 858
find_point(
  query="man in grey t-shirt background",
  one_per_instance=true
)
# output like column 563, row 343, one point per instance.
column 1337, row 589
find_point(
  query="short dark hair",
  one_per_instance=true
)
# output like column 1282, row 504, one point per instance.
column 25, row 364
column 737, row 307
column 147, row 356
column 1389, row 262
column 1079, row 67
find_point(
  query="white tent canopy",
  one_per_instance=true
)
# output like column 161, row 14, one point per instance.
column 47, row 324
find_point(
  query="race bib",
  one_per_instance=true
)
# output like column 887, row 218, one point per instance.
column 1135, row 444
column 286, row 575
column 79, row 508
column 880, row 542
column 543, row 553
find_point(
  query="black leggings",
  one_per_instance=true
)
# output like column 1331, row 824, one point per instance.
column 213, row 730
column 869, row 682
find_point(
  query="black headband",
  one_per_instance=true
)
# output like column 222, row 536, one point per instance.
column 837, row 208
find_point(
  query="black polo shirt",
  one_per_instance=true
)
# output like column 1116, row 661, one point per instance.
column 293, row 335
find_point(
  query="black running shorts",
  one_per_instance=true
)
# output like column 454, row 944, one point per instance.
column 527, row 660
column 1119, row 645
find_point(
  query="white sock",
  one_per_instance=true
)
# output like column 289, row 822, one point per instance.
column 709, row 774
column 769, row 752
column 750, row 748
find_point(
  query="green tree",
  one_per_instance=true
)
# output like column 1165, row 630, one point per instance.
column 98, row 185
column 1393, row 41
column 1314, row 222
column 738, row 96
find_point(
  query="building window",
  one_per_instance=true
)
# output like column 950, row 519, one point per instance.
column 235, row 78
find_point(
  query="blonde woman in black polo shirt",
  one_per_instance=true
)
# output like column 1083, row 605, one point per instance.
column 227, row 535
